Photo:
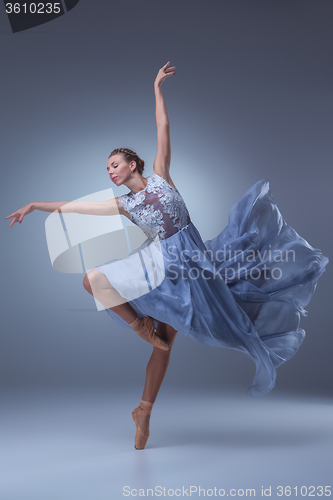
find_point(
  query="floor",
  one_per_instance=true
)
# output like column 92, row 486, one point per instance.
column 79, row 444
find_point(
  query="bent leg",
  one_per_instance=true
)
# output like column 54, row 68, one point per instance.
column 99, row 286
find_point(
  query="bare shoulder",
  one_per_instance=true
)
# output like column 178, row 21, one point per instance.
column 166, row 176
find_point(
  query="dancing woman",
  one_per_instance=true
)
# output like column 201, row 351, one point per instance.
column 244, row 300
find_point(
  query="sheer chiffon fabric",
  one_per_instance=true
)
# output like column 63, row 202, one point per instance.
column 245, row 289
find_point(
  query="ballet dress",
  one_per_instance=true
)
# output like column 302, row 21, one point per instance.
column 245, row 289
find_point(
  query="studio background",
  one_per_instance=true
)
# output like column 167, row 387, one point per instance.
column 251, row 99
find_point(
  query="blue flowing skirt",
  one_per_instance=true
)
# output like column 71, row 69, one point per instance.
column 245, row 289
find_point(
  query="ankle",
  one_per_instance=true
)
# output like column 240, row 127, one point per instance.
column 146, row 406
column 135, row 323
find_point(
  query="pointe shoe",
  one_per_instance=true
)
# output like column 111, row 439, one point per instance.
column 141, row 439
column 144, row 327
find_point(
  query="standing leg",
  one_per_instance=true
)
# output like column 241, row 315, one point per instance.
column 155, row 372
column 159, row 360
column 158, row 363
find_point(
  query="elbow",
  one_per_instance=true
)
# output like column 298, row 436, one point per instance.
column 163, row 123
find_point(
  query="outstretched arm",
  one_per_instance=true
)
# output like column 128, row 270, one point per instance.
column 107, row 207
column 163, row 156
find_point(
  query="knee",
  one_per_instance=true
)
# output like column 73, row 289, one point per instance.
column 94, row 280
column 160, row 353
column 86, row 284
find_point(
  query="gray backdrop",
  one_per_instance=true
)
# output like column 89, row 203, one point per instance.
column 251, row 99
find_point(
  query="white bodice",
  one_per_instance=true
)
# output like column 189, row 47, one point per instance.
column 158, row 209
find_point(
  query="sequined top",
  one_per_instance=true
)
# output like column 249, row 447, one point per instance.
column 158, row 209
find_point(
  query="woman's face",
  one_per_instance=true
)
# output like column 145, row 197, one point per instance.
column 119, row 169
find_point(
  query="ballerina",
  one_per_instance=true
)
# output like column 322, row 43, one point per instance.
column 245, row 289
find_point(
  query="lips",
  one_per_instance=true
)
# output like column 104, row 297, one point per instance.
column 114, row 178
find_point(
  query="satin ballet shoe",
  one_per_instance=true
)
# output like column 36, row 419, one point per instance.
column 143, row 409
column 145, row 325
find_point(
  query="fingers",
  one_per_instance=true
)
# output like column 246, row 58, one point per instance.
column 168, row 72
column 14, row 214
column 16, row 218
column 13, row 221
column 165, row 67
column 163, row 73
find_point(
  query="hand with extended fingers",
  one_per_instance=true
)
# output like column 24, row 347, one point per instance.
column 20, row 214
column 164, row 73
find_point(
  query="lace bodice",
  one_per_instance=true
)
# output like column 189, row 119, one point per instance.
column 159, row 209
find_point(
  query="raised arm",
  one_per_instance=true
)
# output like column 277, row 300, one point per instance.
column 107, row 207
column 163, row 156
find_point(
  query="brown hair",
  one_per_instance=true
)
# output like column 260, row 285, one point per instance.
column 130, row 155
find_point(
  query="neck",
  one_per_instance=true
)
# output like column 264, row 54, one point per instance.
column 137, row 184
